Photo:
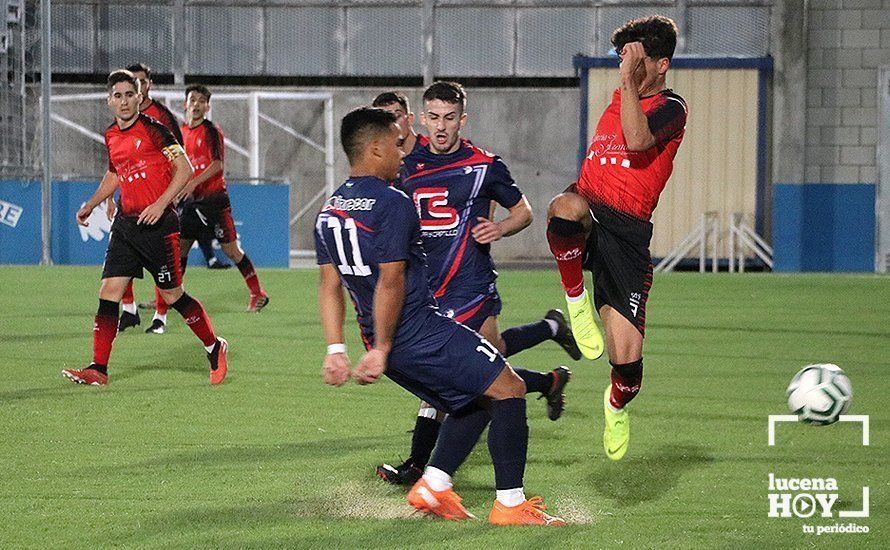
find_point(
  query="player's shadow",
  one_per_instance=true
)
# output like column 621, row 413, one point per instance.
column 640, row 478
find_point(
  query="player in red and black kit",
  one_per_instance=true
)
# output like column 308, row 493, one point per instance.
column 601, row 222
column 150, row 167
column 159, row 112
column 205, row 146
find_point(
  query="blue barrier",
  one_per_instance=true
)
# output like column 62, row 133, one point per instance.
column 261, row 214
column 824, row 227
column 20, row 241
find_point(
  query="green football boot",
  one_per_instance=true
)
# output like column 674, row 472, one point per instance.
column 616, row 434
column 587, row 335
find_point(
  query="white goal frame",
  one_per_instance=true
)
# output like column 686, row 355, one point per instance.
column 251, row 150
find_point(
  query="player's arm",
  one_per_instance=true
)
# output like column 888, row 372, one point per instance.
column 215, row 168
column 332, row 311
column 519, row 217
column 107, row 187
column 389, row 297
column 634, row 124
column 182, row 173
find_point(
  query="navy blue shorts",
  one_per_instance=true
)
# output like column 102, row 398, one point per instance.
column 471, row 309
column 447, row 364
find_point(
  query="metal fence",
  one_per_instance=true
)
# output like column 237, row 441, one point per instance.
column 496, row 38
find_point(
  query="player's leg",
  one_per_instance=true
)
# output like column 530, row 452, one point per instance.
column 625, row 347
column 225, row 231
column 423, row 440
column 161, row 257
column 104, row 331
column 551, row 385
column 130, row 316
column 569, row 224
column 552, row 327
column 159, row 320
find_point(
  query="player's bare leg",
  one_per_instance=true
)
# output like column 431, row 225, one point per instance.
column 625, row 344
column 197, row 319
column 258, row 297
column 551, row 385
column 569, row 223
column 105, row 328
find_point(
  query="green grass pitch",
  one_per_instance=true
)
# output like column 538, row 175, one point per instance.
column 275, row 458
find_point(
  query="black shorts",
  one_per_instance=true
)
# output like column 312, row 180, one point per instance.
column 155, row 248
column 213, row 212
column 617, row 254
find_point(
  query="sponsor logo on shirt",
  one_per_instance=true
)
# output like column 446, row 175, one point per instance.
column 339, row 203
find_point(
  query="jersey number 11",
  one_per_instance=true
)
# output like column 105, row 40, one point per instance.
column 357, row 267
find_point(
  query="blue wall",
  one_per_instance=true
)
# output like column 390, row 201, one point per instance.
column 261, row 215
column 824, row 227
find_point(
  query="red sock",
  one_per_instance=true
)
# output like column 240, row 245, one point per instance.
column 626, row 381
column 128, row 297
column 567, row 240
column 161, row 306
column 245, row 266
column 196, row 318
column 104, row 331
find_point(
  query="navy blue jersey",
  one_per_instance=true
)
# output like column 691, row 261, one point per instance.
column 367, row 223
column 450, row 192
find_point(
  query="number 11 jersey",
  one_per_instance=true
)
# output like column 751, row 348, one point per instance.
column 367, row 223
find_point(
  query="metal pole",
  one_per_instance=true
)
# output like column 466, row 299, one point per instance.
column 703, row 243
column 47, row 136
column 253, row 147
column 180, row 48
column 428, row 32
column 329, row 145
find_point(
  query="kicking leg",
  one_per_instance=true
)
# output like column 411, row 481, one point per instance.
column 569, row 223
column 625, row 345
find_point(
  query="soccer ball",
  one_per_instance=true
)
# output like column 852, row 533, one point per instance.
column 819, row 394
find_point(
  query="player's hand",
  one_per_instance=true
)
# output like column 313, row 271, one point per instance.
column 151, row 214
column 487, row 231
column 83, row 214
column 182, row 196
column 110, row 208
column 371, row 367
column 633, row 68
column 335, row 369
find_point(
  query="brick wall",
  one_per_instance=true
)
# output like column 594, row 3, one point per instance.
column 847, row 41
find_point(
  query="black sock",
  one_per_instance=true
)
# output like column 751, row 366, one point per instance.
column 523, row 337
column 508, row 442
column 457, row 437
column 101, row 368
column 426, row 431
column 535, row 381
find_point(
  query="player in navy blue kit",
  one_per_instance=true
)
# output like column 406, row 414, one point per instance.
column 454, row 185
column 368, row 240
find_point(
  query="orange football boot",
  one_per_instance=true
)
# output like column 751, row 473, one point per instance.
column 530, row 512
column 445, row 504
column 219, row 358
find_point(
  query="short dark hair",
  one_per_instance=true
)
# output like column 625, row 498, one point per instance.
column 388, row 98
column 122, row 75
column 140, row 67
column 200, row 88
column 449, row 92
column 657, row 33
column 361, row 125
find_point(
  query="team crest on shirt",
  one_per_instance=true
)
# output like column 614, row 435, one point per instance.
column 420, row 165
column 200, row 141
column 138, row 142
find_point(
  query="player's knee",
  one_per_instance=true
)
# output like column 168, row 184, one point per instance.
column 171, row 295
column 507, row 386
column 569, row 206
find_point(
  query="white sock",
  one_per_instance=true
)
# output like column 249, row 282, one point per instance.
column 130, row 308
column 553, row 327
column 437, row 479
column 163, row 317
column 577, row 298
column 209, row 348
column 511, row 497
